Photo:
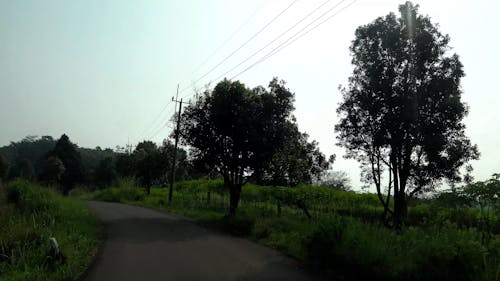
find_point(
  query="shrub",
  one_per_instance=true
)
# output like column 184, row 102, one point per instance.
column 238, row 225
column 323, row 245
column 127, row 194
column 31, row 198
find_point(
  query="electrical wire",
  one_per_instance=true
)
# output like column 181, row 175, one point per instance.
column 240, row 47
column 276, row 38
column 288, row 42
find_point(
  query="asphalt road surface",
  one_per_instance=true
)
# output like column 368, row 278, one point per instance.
column 143, row 244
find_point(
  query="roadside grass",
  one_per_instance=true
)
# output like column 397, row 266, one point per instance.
column 346, row 243
column 29, row 216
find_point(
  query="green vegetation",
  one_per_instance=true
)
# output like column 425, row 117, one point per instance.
column 29, row 216
column 338, row 231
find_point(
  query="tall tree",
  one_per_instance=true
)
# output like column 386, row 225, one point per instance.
column 338, row 180
column 402, row 111
column 296, row 161
column 151, row 164
column 52, row 170
column 4, row 167
column 105, row 173
column 67, row 152
column 125, row 165
column 232, row 128
column 22, row 168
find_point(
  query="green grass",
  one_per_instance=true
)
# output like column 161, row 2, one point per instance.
column 343, row 237
column 29, row 215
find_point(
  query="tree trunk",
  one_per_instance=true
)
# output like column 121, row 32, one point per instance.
column 148, row 187
column 400, row 209
column 234, row 198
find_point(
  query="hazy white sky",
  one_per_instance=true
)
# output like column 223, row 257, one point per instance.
column 101, row 71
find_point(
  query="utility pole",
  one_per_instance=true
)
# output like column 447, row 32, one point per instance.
column 172, row 173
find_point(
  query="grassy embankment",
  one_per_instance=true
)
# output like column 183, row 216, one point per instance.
column 29, row 216
column 340, row 233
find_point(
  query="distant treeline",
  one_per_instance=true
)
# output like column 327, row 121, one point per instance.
column 64, row 164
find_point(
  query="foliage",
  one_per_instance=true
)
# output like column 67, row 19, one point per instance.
column 4, row 167
column 337, row 180
column 151, row 164
column 67, row 152
column 128, row 194
column 22, row 168
column 105, row 173
column 402, row 110
column 236, row 131
column 32, row 148
column 35, row 214
column 53, row 169
column 345, row 241
column 296, row 161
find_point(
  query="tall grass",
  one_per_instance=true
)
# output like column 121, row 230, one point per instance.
column 29, row 215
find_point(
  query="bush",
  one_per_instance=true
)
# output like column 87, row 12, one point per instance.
column 127, row 194
column 29, row 198
column 240, row 225
column 29, row 215
column 324, row 243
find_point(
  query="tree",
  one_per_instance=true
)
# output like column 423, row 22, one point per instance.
column 52, row 171
column 67, row 152
column 182, row 164
column 105, row 173
column 151, row 164
column 232, row 128
column 4, row 167
column 338, row 180
column 401, row 114
column 296, row 161
column 125, row 165
column 22, row 168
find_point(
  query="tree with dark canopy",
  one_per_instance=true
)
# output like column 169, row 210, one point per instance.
column 67, row 152
column 401, row 114
column 52, row 171
column 296, row 161
column 151, row 163
column 105, row 173
column 232, row 129
column 22, row 168
column 4, row 167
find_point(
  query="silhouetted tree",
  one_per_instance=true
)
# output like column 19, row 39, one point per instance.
column 232, row 128
column 182, row 166
column 105, row 173
column 402, row 112
column 151, row 164
column 4, row 167
column 338, row 180
column 125, row 165
column 70, row 157
column 296, row 161
column 53, row 169
column 22, row 168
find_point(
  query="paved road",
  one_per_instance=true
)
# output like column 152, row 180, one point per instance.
column 143, row 244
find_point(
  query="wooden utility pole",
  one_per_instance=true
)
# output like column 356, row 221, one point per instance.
column 172, row 172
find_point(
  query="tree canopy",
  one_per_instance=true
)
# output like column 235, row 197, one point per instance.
column 67, row 152
column 402, row 111
column 234, row 129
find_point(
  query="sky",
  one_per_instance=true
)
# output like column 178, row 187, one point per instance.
column 104, row 71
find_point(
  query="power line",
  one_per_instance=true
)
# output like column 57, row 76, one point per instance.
column 228, row 39
column 288, row 42
column 156, row 119
column 241, row 46
column 276, row 38
column 165, row 125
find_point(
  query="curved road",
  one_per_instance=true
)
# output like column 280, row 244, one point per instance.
column 144, row 244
